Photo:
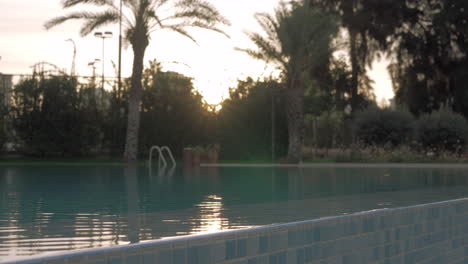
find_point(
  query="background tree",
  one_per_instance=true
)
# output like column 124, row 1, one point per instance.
column 141, row 18
column 430, row 61
column 170, row 98
column 245, row 121
column 369, row 26
column 297, row 38
column 49, row 120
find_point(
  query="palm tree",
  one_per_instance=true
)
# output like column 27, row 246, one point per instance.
column 297, row 39
column 140, row 19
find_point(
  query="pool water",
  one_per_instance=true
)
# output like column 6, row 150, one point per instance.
column 47, row 209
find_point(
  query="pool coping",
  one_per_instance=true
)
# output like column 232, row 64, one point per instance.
column 217, row 235
column 340, row 165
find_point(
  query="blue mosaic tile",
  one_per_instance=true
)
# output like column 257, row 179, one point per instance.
column 317, row 232
column 241, row 247
column 198, row 254
column 300, row 254
column 133, row 259
column 278, row 241
column 349, row 259
column 263, row 244
column 148, row 258
column 368, row 225
column 312, row 252
column 293, row 238
column 328, row 250
column 165, row 256
column 252, row 261
column 376, row 253
column 116, row 260
column 178, row 256
column 102, row 261
column 230, row 249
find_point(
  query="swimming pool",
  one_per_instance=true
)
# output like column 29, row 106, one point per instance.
column 47, row 209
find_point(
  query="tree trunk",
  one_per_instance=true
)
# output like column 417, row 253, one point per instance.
column 354, row 71
column 295, row 116
column 134, row 100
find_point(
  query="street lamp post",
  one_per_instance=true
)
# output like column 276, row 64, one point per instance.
column 119, row 81
column 103, row 36
column 93, row 81
column 72, row 71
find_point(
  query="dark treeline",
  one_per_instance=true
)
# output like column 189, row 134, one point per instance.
column 314, row 101
column 427, row 41
column 56, row 116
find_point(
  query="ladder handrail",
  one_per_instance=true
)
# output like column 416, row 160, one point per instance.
column 161, row 157
column 168, row 150
column 162, row 163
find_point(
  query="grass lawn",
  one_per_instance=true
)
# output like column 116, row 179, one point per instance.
column 62, row 162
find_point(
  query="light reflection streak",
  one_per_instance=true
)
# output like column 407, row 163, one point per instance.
column 210, row 219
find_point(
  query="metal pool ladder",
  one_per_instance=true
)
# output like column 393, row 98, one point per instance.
column 162, row 163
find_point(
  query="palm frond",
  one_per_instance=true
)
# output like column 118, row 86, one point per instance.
column 182, row 31
column 202, row 25
column 153, row 16
column 294, row 37
column 158, row 3
column 198, row 9
column 61, row 19
column 129, row 3
column 269, row 49
column 268, row 24
column 141, row 17
column 256, row 54
column 99, row 21
column 71, row 3
column 211, row 27
column 93, row 20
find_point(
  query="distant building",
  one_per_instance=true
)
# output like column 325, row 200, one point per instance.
column 6, row 89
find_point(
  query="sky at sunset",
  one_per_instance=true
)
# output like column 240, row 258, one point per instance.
column 213, row 63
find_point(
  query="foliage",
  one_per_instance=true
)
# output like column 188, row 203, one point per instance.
column 430, row 61
column 245, row 121
column 115, row 120
column 4, row 126
column 140, row 19
column 297, row 38
column 3, row 135
column 173, row 112
column 49, row 120
column 383, row 127
column 298, row 41
column 441, row 131
column 326, row 130
column 401, row 154
column 368, row 26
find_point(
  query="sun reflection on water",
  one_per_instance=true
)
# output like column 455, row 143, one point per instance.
column 210, row 219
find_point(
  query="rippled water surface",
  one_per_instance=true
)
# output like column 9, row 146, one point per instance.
column 47, row 209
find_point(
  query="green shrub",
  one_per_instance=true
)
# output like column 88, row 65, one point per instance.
column 329, row 128
column 442, row 131
column 49, row 120
column 3, row 135
column 383, row 127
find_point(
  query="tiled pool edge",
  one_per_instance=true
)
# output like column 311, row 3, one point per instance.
column 428, row 233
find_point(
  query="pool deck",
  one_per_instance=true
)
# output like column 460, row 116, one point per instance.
column 341, row 165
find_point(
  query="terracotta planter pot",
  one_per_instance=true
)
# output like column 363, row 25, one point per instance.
column 204, row 157
column 212, row 156
column 196, row 159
